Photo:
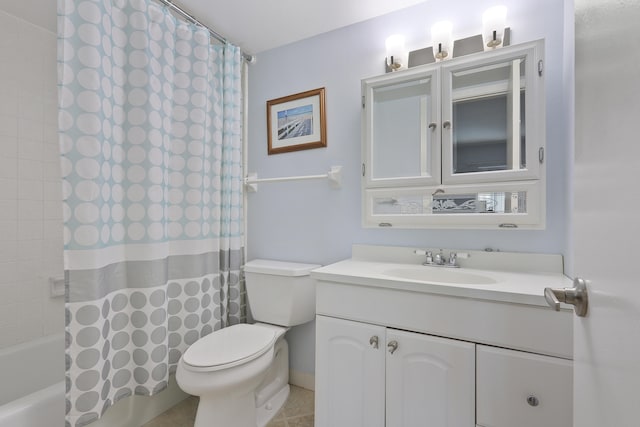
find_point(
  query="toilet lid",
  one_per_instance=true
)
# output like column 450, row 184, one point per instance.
column 229, row 345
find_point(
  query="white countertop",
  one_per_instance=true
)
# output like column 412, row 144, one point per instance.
column 511, row 287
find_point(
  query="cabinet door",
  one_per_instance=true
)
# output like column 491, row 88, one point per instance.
column 522, row 389
column 493, row 117
column 401, row 132
column 349, row 373
column 430, row 381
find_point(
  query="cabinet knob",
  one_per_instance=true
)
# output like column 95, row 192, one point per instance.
column 432, row 126
column 374, row 341
column 446, row 124
column 533, row 401
column 393, row 346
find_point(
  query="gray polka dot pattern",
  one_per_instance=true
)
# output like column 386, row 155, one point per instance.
column 131, row 340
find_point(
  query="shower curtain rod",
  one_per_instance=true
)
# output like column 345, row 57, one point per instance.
column 189, row 17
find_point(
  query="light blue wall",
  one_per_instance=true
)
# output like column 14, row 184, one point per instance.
column 310, row 222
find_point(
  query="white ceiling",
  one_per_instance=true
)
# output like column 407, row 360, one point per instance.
column 254, row 25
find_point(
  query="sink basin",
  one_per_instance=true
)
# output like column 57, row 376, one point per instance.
column 439, row 275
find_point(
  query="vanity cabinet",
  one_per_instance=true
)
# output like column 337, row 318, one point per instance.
column 485, row 355
column 370, row 376
column 457, row 144
column 522, row 389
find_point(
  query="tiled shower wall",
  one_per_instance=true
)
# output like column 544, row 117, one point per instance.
column 30, row 189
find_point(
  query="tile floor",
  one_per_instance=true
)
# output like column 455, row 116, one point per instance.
column 298, row 411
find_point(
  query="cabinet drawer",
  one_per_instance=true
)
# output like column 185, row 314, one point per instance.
column 506, row 379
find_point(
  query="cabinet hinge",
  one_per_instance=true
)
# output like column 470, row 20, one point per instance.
column 540, row 67
column 362, row 101
column 364, row 168
column 541, row 155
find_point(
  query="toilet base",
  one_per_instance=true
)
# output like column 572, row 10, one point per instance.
column 266, row 412
column 271, row 395
column 237, row 412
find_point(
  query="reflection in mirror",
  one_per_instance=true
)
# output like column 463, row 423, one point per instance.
column 500, row 202
column 401, row 136
column 443, row 204
column 489, row 118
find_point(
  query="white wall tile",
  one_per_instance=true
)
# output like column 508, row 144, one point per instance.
column 9, row 231
column 8, row 189
column 8, row 123
column 52, row 191
column 30, row 107
column 30, row 169
column 30, row 129
column 8, row 145
column 30, row 230
column 31, row 150
column 30, row 190
column 8, row 167
column 52, row 209
column 51, row 170
column 28, row 249
column 9, row 272
column 31, row 210
column 53, row 230
column 8, row 251
column 51, row 151
column 26, row 329
column 8, row 210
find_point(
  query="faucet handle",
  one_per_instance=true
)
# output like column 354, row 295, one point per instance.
column 429, row 259
column 453, row 259
column 428, row 254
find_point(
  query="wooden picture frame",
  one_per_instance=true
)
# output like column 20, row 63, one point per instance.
column 296, row 122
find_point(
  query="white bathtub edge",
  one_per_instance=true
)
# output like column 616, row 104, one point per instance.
column 138, row 410
column 48, row 404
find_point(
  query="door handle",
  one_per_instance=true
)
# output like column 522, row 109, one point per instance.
column 576, row 296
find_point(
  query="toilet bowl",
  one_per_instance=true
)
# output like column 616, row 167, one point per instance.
column 241, row 372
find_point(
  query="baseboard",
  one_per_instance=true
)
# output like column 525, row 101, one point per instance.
column 302, row 379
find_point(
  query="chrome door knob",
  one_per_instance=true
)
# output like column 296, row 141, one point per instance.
column 576, row 296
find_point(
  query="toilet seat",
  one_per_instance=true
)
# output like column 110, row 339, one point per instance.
column 228, row 347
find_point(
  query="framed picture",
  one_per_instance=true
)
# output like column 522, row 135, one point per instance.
column 296, row 122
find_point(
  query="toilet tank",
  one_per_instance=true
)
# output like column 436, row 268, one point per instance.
column 280, row 293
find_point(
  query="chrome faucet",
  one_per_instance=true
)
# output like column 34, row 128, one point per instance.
column 439, row 260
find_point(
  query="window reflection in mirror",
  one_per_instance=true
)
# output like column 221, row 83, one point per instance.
column 489, row 118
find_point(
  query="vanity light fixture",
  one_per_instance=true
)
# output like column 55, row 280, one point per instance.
column 397, row 56
column 494, row 21
column 441, row 35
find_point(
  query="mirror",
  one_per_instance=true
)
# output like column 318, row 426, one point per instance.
column 401, row 137
column 488, row 115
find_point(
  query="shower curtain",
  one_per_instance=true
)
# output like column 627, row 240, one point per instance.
column 150, row 137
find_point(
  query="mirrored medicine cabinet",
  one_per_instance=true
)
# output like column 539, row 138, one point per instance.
column 457, row 144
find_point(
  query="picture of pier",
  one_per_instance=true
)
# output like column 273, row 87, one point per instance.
column 295, row 122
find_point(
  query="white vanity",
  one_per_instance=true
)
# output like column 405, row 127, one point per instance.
column 399, row 344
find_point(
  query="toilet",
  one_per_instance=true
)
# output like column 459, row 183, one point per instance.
column 241, row 373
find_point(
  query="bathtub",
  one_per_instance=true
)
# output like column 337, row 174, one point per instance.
column 32, row 387
column 34, row 397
